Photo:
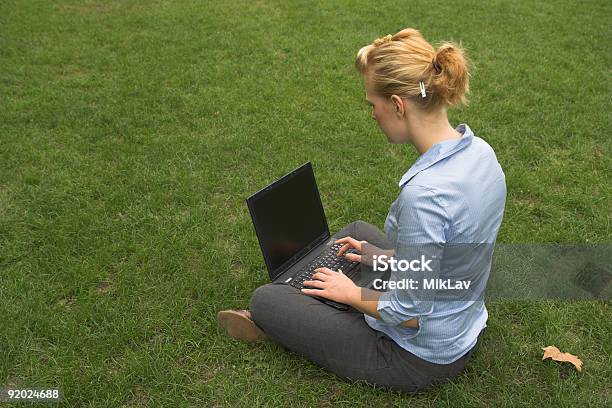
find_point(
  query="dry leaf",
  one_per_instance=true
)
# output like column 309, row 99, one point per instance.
column 104, row 287
column 555, row 354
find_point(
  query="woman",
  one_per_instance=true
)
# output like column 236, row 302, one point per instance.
column 453, row 194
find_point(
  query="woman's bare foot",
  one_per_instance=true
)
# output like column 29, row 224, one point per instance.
column 239, row 325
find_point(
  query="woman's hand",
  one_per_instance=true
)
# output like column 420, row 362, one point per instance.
column 332, row 285
column 350, row 243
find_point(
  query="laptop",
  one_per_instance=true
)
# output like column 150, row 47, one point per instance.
column 293, row 234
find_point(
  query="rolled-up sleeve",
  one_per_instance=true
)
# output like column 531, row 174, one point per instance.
column 421, row 224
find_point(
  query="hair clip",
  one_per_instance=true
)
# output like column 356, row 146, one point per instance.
column 382, row 40
column 422, row 87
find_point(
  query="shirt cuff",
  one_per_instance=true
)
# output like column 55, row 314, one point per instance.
column 391, row 310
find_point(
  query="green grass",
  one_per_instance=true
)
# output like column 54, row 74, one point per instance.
column 132, row 131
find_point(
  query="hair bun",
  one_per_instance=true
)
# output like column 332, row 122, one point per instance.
column 445, row 53
column 436, row 64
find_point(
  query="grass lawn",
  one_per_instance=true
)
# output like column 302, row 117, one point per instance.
column 131, row 133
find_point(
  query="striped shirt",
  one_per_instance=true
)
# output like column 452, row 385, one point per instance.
column 454, row 193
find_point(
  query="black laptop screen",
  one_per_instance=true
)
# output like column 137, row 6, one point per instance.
column 288, row 217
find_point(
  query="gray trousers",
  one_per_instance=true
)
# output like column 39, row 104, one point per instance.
column 341, row 341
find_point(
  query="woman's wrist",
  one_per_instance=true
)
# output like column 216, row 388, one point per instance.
column 354, row 296
column 365, row 300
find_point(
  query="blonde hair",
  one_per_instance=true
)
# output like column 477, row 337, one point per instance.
column 399, row 62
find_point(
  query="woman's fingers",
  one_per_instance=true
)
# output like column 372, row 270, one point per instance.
column 314, row 283
column 342, row 250
column 342, row 240
column 344, row 247
column 349, row 243
column 313, row 292
column 353, row 257
column 321, row 273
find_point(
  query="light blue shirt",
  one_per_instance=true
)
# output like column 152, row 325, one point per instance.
column 454, row 193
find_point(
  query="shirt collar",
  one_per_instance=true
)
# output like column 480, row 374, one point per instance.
column 438, row 152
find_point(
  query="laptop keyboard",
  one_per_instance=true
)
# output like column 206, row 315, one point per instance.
column 326, row 259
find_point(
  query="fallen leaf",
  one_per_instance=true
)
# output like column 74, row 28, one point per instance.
column 104, row 287
column 557, row 355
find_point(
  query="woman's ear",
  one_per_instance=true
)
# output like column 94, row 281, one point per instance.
column 397, row 102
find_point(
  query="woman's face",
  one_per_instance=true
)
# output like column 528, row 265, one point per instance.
column 389, row 113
